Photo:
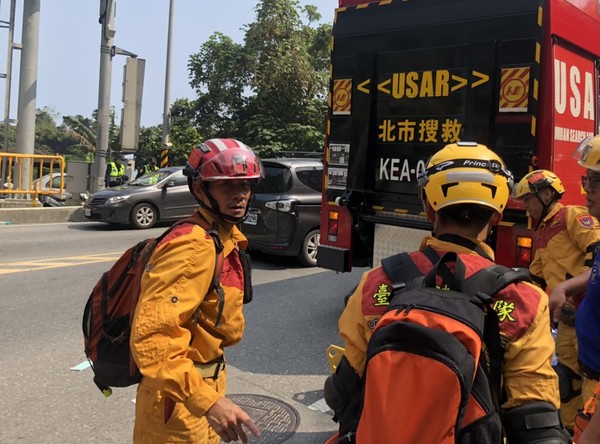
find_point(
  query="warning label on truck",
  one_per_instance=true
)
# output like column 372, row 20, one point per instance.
column 342, row 97
column 514, row 90
column 339, row 153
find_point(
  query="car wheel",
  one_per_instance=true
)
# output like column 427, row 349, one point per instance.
column 143, row 216
column 308, row 251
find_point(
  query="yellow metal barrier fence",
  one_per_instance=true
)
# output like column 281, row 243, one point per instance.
column 23, row 174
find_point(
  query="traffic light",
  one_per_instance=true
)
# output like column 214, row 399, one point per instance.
column 133, row 87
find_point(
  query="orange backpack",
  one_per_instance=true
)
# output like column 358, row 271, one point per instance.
column 109, row 310
column 428, row 377
column 584, row 415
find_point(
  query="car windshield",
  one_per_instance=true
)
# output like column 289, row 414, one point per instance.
column 151, row 178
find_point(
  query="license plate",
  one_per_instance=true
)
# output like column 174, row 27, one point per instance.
column 87, row 212
column 251, row 219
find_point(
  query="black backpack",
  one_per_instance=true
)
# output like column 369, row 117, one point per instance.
column 426, row 358
column 110, row 308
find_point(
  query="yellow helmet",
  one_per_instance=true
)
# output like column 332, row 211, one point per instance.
column 588, row 153
column 535, row 181
column 465, row 172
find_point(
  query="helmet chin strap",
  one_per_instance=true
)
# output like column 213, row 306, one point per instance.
column 214, row 207
column 545, row 208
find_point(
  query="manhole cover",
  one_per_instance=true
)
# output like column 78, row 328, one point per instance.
column 276, row 420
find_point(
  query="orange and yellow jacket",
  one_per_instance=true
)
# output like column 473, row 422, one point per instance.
column 166, row 339
column 524, row 325
column 564, row 244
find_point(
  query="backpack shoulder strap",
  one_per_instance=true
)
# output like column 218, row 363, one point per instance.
column 483, row 285
column 400, row 268
column 492, row 279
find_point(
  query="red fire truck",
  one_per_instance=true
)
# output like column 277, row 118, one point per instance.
column 408, row 77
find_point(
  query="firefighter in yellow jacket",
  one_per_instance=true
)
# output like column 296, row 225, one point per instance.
column 565, row 240
column 464, row 190
column 180, row 329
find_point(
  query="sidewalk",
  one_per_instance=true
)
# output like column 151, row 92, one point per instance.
column 41, row 215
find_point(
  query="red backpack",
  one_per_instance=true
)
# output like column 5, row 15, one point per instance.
column 110, row 308
column 428, row 376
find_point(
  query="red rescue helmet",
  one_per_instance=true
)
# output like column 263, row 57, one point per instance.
column 218, row 159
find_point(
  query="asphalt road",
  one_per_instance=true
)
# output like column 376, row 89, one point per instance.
column 47, row 272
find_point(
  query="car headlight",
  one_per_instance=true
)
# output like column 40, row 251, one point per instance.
column 285, row 206
column 117, row 199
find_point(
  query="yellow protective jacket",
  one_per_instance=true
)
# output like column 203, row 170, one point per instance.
column 149, row 168
column 564, row 245
column 166, row 341
column 524, row 325
column 116, row 171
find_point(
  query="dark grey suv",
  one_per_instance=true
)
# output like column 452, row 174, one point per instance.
column 284, row 214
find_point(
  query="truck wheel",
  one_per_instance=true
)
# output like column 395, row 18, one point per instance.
column 308, row 251
column 143, row 216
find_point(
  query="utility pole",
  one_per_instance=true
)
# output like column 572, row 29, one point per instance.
column 28, row 84
column 107, row 16
column 8, row 86
column 167, row 107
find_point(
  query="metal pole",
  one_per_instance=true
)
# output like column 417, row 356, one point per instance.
column 107, row 14
column 167, row 108
column 7, row 86
column 28, row 86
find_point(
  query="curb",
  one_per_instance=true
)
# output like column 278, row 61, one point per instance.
column 11, row 216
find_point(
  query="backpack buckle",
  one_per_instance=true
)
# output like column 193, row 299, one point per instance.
column 398, row 286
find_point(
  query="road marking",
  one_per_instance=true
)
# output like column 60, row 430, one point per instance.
column 320, row 406
column 82, row 366
column 45, row 264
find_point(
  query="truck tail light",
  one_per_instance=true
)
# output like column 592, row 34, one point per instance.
column 332, row 226
column 523, row 251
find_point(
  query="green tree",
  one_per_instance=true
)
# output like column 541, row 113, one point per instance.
column 271, row 92
column 82, row 130
column 219, row 74
column 183, row 135
column 12, row 137
column 48, row 138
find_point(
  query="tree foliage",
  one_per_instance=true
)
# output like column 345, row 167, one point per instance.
column 271, row 91
column 74, row 138
column 183, row 135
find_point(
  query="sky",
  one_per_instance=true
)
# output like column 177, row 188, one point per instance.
column 69, row 48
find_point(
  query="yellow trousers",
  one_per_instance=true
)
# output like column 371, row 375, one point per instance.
column 566, row 349
column 587, row 388
column 151, row 426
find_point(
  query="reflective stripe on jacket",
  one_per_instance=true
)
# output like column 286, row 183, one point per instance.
column 116, row 172
column 564, row 245
column 166, row 340
column 524, row 326
column 149, row 169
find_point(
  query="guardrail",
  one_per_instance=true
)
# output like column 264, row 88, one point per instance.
column 22, row 175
